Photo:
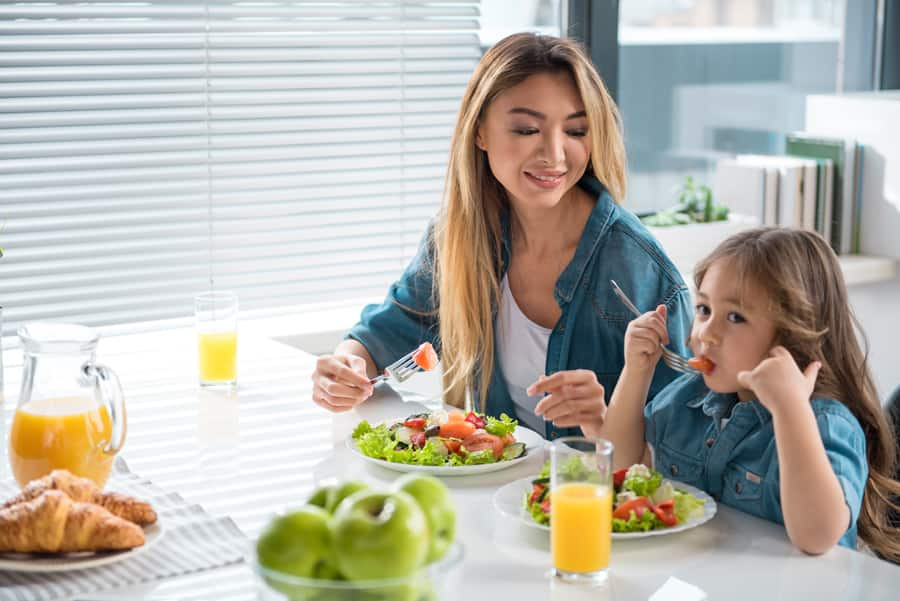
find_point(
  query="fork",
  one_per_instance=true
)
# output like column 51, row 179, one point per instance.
column 670, row 357
column 401, row 369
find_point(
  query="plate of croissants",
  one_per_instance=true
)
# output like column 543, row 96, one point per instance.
column 62, row 522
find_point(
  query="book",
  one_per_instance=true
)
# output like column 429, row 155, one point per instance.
column 796, row 181
column 842, row 153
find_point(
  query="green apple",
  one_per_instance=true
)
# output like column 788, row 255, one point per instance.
column 379, row 535
column 299, row 543
column 341, row 492
column 319, row 497
column 433, row 497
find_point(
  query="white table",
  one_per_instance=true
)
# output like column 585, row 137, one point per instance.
column 251, row 453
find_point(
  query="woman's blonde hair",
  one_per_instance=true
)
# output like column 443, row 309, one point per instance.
column 467, row 233
column 808, row 303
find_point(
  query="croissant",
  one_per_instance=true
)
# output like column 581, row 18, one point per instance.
column 54, row 523
column 85, row 491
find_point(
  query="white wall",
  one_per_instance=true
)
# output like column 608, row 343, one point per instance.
column 877, row 306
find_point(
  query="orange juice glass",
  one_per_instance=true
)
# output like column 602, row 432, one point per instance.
column 581, row 508
column 216, row 318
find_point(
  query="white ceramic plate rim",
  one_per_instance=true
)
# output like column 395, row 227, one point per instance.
column 65, row 563
column 533, row 441
column 508, row 501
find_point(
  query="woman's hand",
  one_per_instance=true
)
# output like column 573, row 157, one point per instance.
column 643, row 337
column 574, row 398
column 340, row 382
column 778, row 382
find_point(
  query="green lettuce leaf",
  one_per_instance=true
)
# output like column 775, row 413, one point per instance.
column 500, row 427
column 687, row 506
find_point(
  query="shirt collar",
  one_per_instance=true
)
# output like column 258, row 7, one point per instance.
column 719, row 405
column 597, row 224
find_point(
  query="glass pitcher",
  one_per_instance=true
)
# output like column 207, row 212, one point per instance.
column 71, row 411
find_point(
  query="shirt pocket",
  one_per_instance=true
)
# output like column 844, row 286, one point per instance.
column 679, row 466
column 743, row 489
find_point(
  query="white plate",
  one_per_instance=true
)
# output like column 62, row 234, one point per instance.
column 533, row 441
column 510, row 501
column 21, row 562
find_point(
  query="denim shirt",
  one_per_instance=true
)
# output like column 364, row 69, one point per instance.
column 590, row 332
column 738, row 464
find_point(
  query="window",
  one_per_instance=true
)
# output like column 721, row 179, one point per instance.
column 702, row 79
column 290, row 151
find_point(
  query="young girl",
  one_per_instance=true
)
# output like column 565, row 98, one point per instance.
column 784, row 422
column 512, row 280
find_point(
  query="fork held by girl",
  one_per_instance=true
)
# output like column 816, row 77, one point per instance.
column 786, row 423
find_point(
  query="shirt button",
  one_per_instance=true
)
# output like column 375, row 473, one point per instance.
column 674, row 469
column 738, row 487
column 562, row 328
column 554, row 435
column 710, row 442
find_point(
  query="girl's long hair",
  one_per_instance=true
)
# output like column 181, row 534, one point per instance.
column 467, row 234
column 809, row 305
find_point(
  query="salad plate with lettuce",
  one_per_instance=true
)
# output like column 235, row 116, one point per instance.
column 644, row 503
column 445, row 443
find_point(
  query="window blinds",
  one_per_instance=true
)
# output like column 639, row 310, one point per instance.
column 290, row 151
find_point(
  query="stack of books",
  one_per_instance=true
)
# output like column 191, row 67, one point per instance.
column 816, row 185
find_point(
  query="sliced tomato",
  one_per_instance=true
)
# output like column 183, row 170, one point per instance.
column 425, row 357
column 545, row 505
column 452, row 444
column 455, row 415
column 472, row 418
column 457, row 429
column 416, row 423
column 638, row 506
column 619, row 477
column 702, row 364
column 508, row 439
column 665, row 511
column 536, row 492
column 418, row 439
column 482, row 440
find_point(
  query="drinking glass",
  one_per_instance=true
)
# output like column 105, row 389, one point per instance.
column 216, row 317
column 581, row 502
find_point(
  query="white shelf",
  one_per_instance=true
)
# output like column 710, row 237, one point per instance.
column 865, row 269
column 858, row 269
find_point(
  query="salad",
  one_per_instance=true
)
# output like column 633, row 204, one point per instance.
column 441, row 438
column 643, row 499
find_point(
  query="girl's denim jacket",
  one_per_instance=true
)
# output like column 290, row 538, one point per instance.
column 591, row 330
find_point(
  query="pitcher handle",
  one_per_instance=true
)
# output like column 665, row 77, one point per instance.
column 111, row 392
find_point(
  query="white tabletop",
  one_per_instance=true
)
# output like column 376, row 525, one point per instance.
column 263, row 448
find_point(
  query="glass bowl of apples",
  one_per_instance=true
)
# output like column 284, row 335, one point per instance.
column 353, row 543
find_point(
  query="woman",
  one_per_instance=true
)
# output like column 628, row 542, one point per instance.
column 512, row 279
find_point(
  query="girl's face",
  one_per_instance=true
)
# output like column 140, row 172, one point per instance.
column 536, row 138
column 734, row 335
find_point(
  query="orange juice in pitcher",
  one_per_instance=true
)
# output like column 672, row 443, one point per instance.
column 60, row 433
column 71, row 413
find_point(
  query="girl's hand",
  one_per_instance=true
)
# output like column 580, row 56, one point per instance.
column 643, row 337
column 574, row 398
column 340, row 382
column 778, row 382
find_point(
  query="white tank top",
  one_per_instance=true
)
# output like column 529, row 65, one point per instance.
column 522, row 350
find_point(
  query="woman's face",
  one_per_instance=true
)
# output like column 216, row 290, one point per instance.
column 731, row 328
column 536, row 138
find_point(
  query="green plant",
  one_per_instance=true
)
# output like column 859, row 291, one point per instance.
column 695, row 205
